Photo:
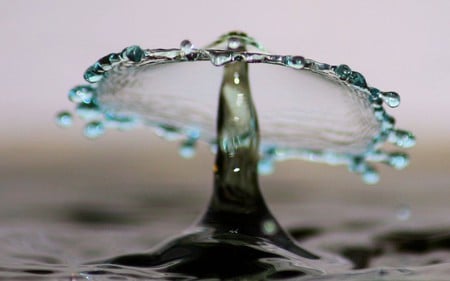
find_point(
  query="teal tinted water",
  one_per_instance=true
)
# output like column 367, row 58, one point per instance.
column 237, row 237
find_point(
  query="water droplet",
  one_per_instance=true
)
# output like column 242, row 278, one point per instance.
column 357, row 79
column 89, row 111
column 221, row 59
column 388, row 122
column 64, row 119
column 296, row 62
column 81, row 94
column 186, row 47
column 343, row 71
column 392, row 99
column 375, row 97
column 187, row 149
column 402, row 138
column 114, row 58
column 104, row 63
column 234, row 43
column 370, row 176
column 398, row 160
column 368, row 173
column 93, row 74
column 94, row 129
column 133, row 53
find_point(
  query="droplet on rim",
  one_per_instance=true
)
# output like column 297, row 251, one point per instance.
column 64, row 119
column 296, row 62
column 392, row 99
column 398, row 160
column 133, row 53
column 187, row 149
column 186, row 47
column 343, row 71
column 402, row 138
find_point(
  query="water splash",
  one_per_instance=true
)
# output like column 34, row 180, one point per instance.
column 114, row 98
column 238, row 225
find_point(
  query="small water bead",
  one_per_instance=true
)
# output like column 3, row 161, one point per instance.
column 398, row 160
column 187, row 149
column 370, row 176
column 368, row 173
column 220, row 59
column 402, row 138
column 93, row 74
column 375, row 97
column 81, row 94
column 234, row 43
column 64, row 119
column 343, row 71
column 392, row 99
column 388, row 122
column 94, row 129
column 186, row 47
column 296, row 62
column 357, row 79
column 133, row 53
column 114, row 58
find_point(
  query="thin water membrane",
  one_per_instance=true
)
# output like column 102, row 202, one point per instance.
column 307, row 109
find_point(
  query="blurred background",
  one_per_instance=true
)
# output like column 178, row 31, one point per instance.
column 50, row 174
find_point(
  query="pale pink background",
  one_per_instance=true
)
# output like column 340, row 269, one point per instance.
column 399, row 45
column 46, row 45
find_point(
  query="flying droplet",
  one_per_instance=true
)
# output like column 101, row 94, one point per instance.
column 402, row 138
column 398, row 160
column 370, row 176
column 187, row 149
column 392, row 99
column 64, row 119
column 94, row 129
column 81, row 94
column 133, row 53
column 186, row 47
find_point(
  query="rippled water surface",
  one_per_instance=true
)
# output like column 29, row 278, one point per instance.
column 53, row 226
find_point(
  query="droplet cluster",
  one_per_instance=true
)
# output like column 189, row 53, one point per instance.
column 98, row 120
